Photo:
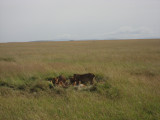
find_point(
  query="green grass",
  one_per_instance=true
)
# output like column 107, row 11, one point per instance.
column 126, row 85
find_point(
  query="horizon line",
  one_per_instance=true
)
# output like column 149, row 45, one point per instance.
column 63, row 40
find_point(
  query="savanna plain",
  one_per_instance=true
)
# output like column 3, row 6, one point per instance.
column 126, row 84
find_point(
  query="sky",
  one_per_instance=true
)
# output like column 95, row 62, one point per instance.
column 31, row 20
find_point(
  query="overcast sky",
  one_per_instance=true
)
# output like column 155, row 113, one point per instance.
column 30, row 20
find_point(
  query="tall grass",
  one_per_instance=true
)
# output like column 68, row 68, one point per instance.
column 127, row 76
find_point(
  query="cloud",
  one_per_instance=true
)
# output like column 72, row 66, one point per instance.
column 63, row 36
column 134, row 31
column 127, row 32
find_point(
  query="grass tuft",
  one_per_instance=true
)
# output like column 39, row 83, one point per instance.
column 8, row 59
column 39, row 86
column 106, row 89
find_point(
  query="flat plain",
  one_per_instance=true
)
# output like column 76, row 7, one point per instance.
column 127, row 84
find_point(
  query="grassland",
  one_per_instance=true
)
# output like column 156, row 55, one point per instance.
column 128, row 72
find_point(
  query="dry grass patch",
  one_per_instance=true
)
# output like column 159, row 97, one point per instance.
column 127, row 76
